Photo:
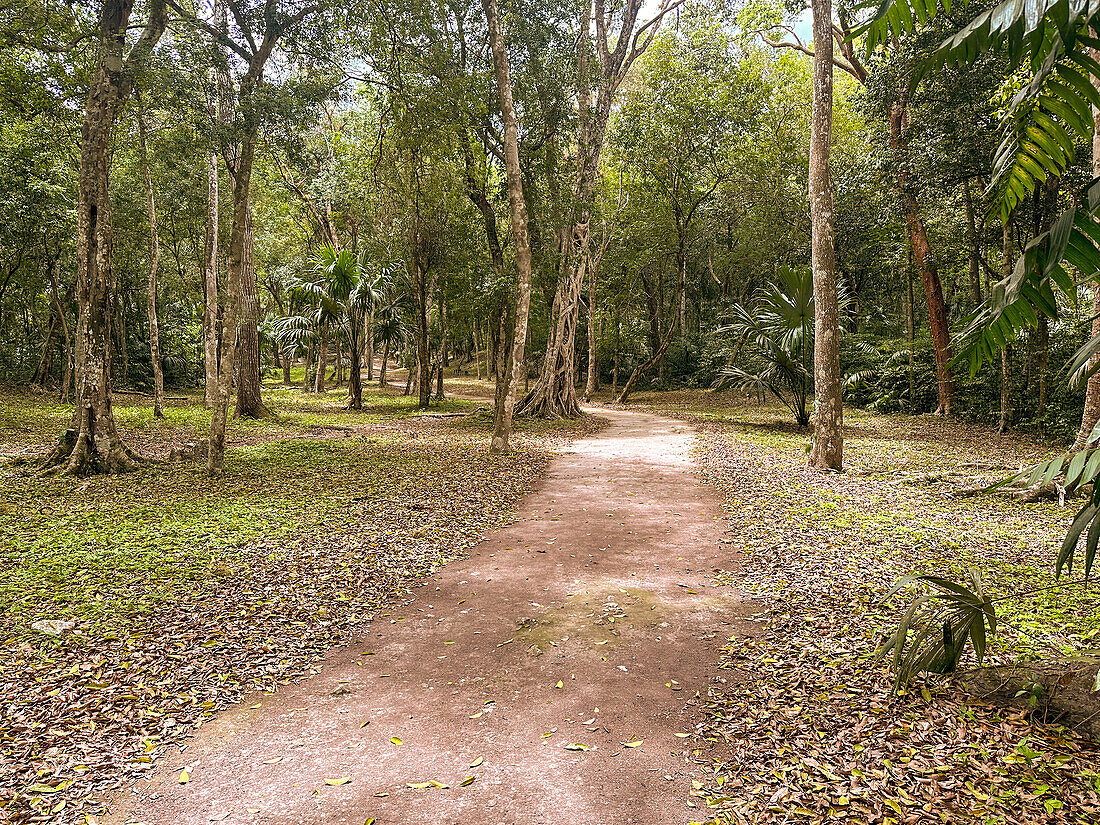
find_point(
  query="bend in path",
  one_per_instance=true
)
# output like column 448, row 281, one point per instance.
column 589, row 621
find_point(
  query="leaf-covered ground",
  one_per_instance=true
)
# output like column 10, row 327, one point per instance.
column 188, row 593
column 804, row 728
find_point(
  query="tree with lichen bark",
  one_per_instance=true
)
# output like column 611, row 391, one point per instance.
column 92, row 443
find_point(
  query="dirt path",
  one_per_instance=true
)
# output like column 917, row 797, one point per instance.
column 590, row 620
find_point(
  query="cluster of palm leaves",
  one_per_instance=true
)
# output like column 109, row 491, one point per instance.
column 778, row 335
column 936, row 625
column 1051, row 44
column 342, row 297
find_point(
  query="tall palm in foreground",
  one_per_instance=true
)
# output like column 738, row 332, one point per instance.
column 778, row 333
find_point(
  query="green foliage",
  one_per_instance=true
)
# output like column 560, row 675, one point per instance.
column 938, row 621
column 779, row 335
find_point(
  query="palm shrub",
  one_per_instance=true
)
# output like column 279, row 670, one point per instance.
column 337, row 299
column 778, row 335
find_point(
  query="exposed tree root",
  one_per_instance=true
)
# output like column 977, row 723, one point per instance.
column 83, row 452
column 1056, row 690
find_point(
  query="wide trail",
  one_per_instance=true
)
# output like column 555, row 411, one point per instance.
column 555, row 666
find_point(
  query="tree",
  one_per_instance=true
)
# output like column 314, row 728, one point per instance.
column 620, row 39
column 154, row 264
column 518, row 210
column 92, row 443
column 828, row 444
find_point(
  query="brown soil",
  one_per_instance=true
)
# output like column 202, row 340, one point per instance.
column 602, row 585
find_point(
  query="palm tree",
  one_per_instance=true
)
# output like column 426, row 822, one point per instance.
column 340, row 296
column 779, row 332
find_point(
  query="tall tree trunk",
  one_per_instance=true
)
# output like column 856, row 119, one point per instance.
column 591, row 379
column 827, row 451
column 322, row 364
column 1090, row 415
column 926, row 263
column 249, row 402
column 210, row 279
column 974, row 243
column 517, row 207
column 385, row 362
column 1043, row 344
column 555, row 394
column 307, row 370
column 154, row 263
column 442, row 357
column 369, row 343
column 240, row 254
column 92, row 443
column 1006, row 353
column 355, row 373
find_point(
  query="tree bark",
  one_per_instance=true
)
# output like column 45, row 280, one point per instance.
column 92, row 443
column 210, row 279
column 1006, row 353
column 926, row 264
column 1090, row 415
column 154, row 263
column 249, row 402
column 322, row 364
column 827, row 451
column 591, row 380
column 974, row 252
column 517, row 206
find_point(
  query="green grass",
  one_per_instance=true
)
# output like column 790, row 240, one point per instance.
column 104, row 548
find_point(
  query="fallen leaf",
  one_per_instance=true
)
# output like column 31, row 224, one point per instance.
column 396, row 740
column 343, row 780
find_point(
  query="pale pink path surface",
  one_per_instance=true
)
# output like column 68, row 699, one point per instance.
column 621, row 528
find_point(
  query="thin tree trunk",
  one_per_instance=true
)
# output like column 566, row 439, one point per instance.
column 1043, row 343
column 249, row 402
column 154, row 262
column 975, row 252
column 322, row 364
column 210, row 279
column 1006, row 352
column 1090, row 415
column 517, row 206
column 827, row 451
column 591, row 379
column 385, row 361
column 45, row 362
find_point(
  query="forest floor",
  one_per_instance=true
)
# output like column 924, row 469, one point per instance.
column 550, row 678
column 808, row 730
column 730, row 679
column 187, row 593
